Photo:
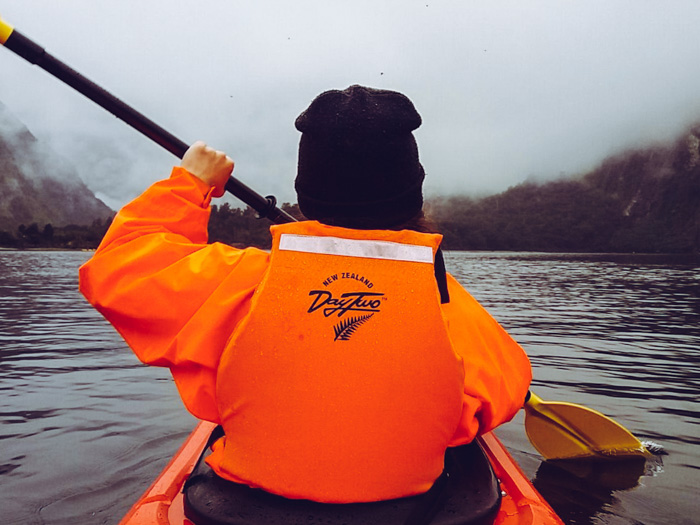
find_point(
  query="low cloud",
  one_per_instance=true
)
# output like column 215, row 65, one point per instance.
column 507, row 90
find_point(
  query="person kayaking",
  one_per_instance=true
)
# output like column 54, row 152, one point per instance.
column 343, row 363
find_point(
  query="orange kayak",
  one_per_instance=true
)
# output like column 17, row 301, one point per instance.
column 163, row 503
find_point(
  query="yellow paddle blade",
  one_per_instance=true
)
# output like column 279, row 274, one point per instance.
column 564, row 431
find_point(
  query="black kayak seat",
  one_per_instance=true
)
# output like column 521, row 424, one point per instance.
column 467, row 493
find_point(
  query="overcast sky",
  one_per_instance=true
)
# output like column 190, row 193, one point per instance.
column 507, row 89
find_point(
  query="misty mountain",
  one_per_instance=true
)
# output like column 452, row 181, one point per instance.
column 39, row 186
column 643, row 200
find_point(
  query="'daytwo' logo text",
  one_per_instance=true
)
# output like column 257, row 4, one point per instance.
column 359, row 306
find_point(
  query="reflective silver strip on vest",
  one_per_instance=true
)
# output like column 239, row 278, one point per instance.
column 393, row 251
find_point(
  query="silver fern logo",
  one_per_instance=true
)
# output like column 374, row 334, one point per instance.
column 366, row 304
column 344, row 329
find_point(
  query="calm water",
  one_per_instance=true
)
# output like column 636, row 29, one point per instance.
column 84, row 428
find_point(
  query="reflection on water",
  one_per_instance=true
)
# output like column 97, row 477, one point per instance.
column 81, row 420
column 84, row 427
column 581, row 490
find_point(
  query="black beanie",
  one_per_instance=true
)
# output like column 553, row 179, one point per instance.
column 358, row 160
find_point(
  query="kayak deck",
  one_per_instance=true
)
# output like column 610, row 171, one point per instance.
column 163, row 502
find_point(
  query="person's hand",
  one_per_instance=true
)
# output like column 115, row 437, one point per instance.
column 212, row 166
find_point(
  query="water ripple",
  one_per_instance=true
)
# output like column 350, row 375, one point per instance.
column 86, row 427
column 618, row 333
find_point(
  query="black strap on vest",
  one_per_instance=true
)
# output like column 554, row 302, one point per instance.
column 441, row 277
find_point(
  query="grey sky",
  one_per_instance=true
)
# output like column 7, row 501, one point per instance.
column 507, row 89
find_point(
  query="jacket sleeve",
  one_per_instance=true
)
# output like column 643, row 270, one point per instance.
column 496, row 369
column 174, row 298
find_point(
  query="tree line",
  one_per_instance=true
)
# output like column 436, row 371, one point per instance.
column 227, row 224
column 47, row 236
column 561, row 216
column 645, row 201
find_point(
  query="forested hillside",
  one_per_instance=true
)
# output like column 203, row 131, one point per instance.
column 39, row 191
column 645, row 200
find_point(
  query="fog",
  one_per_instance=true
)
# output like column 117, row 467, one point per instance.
column 508, row 90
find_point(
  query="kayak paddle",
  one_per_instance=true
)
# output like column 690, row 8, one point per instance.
column 35, row 54
column 567, row 431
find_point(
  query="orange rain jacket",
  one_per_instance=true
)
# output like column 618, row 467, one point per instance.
column 280, row 348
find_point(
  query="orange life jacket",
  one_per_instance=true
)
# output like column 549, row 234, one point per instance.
column 341, row 384
column 365, row 416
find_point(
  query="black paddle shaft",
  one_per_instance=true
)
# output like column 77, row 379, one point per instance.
column 32, row 52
